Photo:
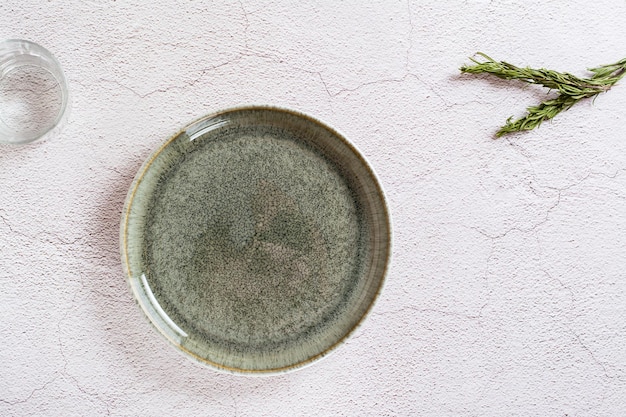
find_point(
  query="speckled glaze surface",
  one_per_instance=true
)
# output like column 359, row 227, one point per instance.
column 255, row 240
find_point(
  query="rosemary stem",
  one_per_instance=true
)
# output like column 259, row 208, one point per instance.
column 570, row 87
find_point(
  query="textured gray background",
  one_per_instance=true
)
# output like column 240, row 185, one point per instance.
column 507, row 290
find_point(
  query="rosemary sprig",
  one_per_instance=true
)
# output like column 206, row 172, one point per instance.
column 571, row 88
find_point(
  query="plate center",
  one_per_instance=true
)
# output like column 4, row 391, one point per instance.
column 253, row 239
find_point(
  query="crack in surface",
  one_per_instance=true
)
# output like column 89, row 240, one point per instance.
column 279, row 60
column 590, row 352
column 573, row 333
column 202, row 73
column 8, row 225
column 25, row 400
column 562, row 284
column 520, row 149
column 546, row 217
column 320, row 76
column 521, row 229
column 477, row 316
column 402, row 79
column 50, row 237
column 248, row 52
column 246, row 25
column 64, row 371
column 374, row 82
column 232, row 397
column 410, row 36
column 187, row 84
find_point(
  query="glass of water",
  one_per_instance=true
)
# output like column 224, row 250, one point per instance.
column 33, row 92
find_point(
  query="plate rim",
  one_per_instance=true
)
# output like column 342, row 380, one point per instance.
column 178, row 346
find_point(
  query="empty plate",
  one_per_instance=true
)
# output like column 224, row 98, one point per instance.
column 255, row 240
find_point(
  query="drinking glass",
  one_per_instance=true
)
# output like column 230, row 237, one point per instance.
column 33, row 92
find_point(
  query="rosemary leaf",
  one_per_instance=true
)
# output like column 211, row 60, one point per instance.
column 571, row 88
column 537, row 114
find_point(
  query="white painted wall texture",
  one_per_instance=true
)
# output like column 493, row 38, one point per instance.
column 507, row 289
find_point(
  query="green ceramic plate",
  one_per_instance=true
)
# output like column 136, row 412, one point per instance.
column 255, row 240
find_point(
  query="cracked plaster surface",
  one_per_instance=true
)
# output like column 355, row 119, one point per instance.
column 506, row 294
